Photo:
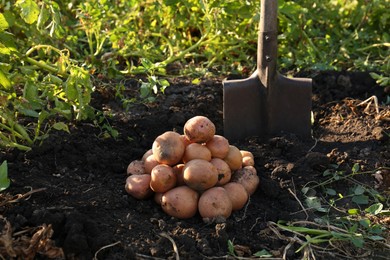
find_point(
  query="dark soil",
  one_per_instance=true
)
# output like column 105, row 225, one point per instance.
column 73, row 184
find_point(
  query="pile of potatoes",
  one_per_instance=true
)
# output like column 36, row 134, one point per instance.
column 198, row 171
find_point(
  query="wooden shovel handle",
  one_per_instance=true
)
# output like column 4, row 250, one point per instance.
column 267, row 42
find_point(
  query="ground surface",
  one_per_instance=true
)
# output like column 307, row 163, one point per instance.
column 73, row 184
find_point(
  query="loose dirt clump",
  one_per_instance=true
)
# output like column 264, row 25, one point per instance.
column 81, row 208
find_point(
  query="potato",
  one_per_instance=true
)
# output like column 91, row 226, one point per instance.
column 224, row 172
column 196, row 151
column 247, row 176
column 180, row 202
column 199, row 129
column 245, row 153
column 158, row 197
column 138, row 186
column 233, row 158
column 162, row 178
column 248, row 161
column 200, row 174
column 215, row 204
column 146, row 154
column 218, row 146
column 168, row 148
column 136, row 167
column 150, row 163
column 178, row 171
column 237, row 194
column 185, row 140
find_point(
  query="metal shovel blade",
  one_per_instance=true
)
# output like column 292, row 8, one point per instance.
column 267, row 103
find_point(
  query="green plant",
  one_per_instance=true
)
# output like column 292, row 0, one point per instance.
column 343, row 218
column 4, row 180
column 232, row 251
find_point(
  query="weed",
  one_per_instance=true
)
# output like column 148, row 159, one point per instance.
column 352, row 218
column 4, row 180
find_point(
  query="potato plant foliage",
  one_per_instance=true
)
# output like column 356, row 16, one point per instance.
column 51, row 51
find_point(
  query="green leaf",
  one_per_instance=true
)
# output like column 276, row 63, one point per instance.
column 376, row 238
column 359, row 190
column 3, row 23
column 262, row 253
column 360, row 199
column 353, row 211
column 314, row 202
column 4, row 81
column 4, row 180
column 365, row 223
column 357, row 241
column 61, row 126
column 305, row 190
column 355, row 168
column 374, row 209
column 7, row 43
column 29, row 10
column 331, row 192
column 171, row 2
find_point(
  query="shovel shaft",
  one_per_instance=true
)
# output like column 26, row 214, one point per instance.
column 267, row 42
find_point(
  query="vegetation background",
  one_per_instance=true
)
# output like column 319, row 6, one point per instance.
column 54, row 54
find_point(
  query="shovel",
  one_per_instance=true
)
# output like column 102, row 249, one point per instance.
column 267, row 103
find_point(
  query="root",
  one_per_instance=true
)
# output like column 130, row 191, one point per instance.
column 104, row 247
column 175, row 249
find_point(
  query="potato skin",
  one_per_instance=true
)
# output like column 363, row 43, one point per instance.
column 136, row 167
column 146, row 154
column 138, row 186
column 150, row 163
column 247, row 176
column 218, row 146
column 248, row 161
column 200, row 174
column 196, row 151
column 178, row 171
column 180, row 202
column 168, row 148
column 234, row 158
column 162, row 178
column 215, row 203
column 199, row 129
column 245, row 153
column 237, row 194
column 224, row 172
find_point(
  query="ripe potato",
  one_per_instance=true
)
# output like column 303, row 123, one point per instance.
column 162, row 178
column 218, row 146
column 247, row 176
column 234, row 158
column 185, row 140
column 136, row 167
column 168, row 148
column 224, row 172
column 146, row 154
column 138, row 186
column 215, row 203
column 199, row 129
column 180, row 202
column 237, row 194
column 158, row 197
column 200, row 174
column 196, row 151
column 245, row 153
column 178, row 170
column 248, row 161
column 150, row 163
